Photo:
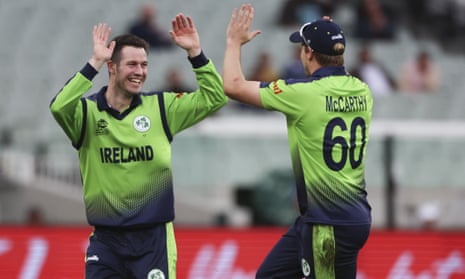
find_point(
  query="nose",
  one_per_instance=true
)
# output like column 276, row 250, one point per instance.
column 140, row 69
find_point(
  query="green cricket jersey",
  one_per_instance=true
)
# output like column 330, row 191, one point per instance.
column 328, row 118
column 125, row 159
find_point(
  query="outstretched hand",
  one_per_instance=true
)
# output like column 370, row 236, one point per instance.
column 239, row 25
column 102, row 51
column 185, row 35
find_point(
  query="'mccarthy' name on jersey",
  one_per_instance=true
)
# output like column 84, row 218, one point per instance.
column 116, row 155
column 346, row 104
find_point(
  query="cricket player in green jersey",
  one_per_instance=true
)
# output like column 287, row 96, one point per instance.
column 123, row 139
column 328, row 118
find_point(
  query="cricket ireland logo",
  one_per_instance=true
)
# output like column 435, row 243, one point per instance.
column 142, row 123
column 156, row 274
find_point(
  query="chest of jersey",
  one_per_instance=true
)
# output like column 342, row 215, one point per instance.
column 136, row 138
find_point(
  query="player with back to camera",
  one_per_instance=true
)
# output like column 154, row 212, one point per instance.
column 123, row 139
column 328, row 117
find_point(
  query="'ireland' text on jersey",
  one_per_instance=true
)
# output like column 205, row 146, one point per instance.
column 116, row 155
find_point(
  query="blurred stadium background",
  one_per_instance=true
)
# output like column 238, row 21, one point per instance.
column 221, row 164
column 233, row 169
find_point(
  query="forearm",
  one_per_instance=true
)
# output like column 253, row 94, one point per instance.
column 209, row 82
column 66, row 106
column 235, row 85
column 73, row 90
column 185, row 110
column 232, row 73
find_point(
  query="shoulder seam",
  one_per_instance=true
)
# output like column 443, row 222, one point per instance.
column 164, row 121
column 84, row 124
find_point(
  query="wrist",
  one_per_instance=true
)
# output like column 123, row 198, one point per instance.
column 89, row 71
column 233, row 43
column 194, row 52
column 96, row 63
column 199, row 60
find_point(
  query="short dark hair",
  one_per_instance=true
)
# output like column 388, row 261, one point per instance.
column 127, row 40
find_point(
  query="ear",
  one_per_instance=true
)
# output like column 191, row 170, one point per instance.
column 111, row 66
column 308, row 53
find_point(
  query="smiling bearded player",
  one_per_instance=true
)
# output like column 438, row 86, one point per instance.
column 123, row 139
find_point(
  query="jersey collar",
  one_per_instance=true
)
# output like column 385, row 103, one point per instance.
column 103, row 105
column 329, row 71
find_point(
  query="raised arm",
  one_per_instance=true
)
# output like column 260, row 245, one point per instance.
column 238, row 34
column 66, row 106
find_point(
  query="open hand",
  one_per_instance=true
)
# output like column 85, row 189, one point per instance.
column 185, row 35
column 102, row 51
column 239, row 25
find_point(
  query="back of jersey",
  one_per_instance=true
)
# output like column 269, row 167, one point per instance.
column 328, row 119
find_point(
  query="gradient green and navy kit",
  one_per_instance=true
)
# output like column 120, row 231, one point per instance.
column 328, row 118
column 125, row 158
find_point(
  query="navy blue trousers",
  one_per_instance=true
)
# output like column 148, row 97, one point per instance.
column 315, row 251
column 131, row 254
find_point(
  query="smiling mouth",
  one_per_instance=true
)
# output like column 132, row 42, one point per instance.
column 136, row 81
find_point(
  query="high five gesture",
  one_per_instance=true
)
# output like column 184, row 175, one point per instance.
column 102, row 51
column 185, row 35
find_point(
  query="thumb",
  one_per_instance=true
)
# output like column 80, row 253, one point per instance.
column 254, row 34
column 112, row 45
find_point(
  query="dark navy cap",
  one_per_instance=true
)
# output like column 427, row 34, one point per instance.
column 320, row 35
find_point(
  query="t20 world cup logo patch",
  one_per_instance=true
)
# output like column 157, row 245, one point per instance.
column 141, row 123
column 102, row 127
